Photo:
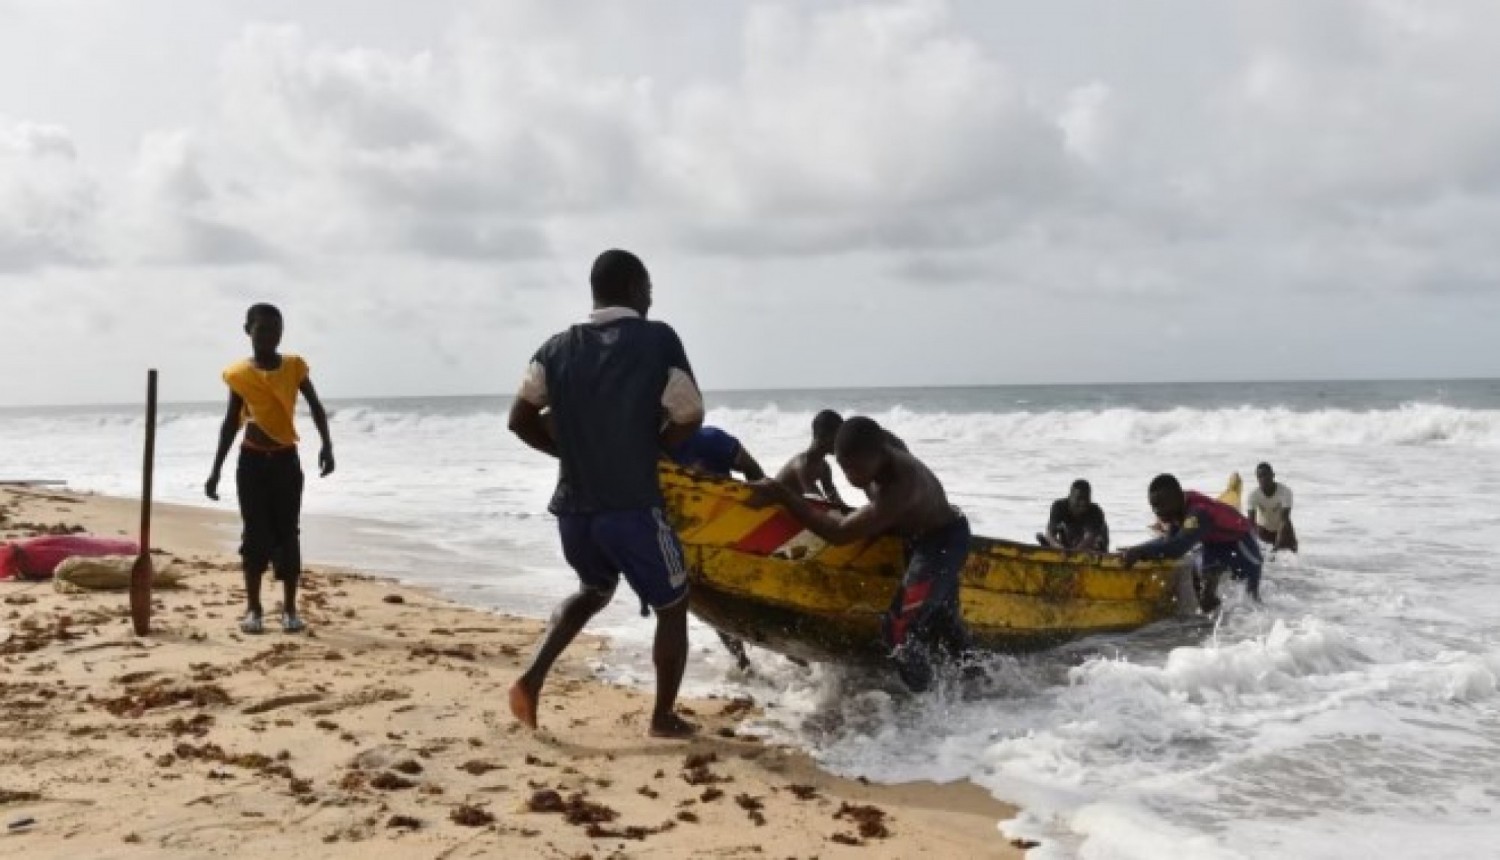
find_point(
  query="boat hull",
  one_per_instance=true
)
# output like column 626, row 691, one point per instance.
column 756, row 574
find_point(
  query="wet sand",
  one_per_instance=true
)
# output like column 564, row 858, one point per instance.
column 382, row 732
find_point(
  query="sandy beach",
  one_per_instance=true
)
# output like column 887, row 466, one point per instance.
column 383, row 732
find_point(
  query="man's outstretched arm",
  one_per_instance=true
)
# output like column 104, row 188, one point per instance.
column 870, row 521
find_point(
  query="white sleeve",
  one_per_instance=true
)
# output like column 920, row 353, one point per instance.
column 681, row 398
column 1288, row 491
column 1256, row 501
column 534, row 385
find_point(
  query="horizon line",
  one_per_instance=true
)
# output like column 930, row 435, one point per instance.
column 822, row 389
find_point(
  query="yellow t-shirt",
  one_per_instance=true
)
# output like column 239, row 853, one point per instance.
column 270, row 395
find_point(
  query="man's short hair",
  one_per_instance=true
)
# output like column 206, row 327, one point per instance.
column 859, row 436
column 1165, row 484
column 1265, row 467
column 1083, row 486
column 614, row 275
column 826, row 423
column 262, row 310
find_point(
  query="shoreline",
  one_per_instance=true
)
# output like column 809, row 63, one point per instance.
column 384, row 732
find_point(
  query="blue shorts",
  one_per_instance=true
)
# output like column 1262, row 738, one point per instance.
column 639, row 544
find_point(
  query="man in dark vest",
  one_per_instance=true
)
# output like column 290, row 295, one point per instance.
column 606, row 397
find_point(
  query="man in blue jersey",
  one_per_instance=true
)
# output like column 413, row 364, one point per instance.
column 714, row 452
column 606, row 397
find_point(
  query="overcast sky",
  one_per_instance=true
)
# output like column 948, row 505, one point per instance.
column 827, row 194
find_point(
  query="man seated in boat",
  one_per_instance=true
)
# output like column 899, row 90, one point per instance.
column 1191, row 519
column 1270, row 509
column 714, row 452
column 1076, row 523
column 808, row 473
column 905, row 499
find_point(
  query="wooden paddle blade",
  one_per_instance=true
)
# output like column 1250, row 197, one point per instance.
column 140, row 593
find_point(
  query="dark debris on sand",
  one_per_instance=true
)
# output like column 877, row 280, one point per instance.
column 804, row 792
column 577, row 809
column 470, row 816
column 390, row 782
column 869, row 819
column 464, row 651
column 635, row 832
column 753, row 806
column 9, row 796
column 696, row 771
column 737, row 706
column 258, row 762
column 137, row 702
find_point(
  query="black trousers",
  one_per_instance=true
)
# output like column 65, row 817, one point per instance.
column 270, row 492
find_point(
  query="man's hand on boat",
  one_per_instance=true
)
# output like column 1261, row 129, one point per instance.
column 767, row 492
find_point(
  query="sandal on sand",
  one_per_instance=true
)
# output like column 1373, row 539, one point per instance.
column 291, row 623
column 252, row 624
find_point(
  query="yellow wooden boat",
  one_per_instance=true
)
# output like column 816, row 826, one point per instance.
column 759, row 576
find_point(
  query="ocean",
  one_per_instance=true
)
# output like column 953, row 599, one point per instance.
column 1355, row 712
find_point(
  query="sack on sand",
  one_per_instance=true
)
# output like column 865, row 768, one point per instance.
column 37, row 558
column 107, row 573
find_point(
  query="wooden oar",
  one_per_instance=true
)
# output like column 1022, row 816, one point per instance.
column 142, row 573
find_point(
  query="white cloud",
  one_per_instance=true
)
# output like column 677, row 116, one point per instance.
column 861, row 125
column 1367, row 104
column 48, row 203
column 169, row 213
column 1084, row 165
column 456, row 153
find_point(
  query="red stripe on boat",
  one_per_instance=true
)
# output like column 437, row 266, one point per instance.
column 770, row 535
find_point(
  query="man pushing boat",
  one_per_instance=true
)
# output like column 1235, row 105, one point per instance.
column 905, row 499
column 606, row 397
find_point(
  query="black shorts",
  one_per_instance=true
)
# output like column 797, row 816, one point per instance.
column 270, row 493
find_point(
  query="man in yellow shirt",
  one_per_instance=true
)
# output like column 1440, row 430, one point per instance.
column 263, row 393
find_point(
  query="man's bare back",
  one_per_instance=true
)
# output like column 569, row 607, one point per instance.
column 911, row 497
column 808, row 473
column 803, row 473
column 906, row 500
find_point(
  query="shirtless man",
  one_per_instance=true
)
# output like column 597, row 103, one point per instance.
column 906, row 499
column 808, row 473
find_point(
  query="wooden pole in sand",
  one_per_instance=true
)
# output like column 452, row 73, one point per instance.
column 142, row 573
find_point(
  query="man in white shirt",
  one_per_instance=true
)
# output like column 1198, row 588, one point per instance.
column 1270, row 508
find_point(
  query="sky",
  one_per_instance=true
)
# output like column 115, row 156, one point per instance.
column 826, row 194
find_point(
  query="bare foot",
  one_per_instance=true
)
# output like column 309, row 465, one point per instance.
column 672, row 727
column 523, row 705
